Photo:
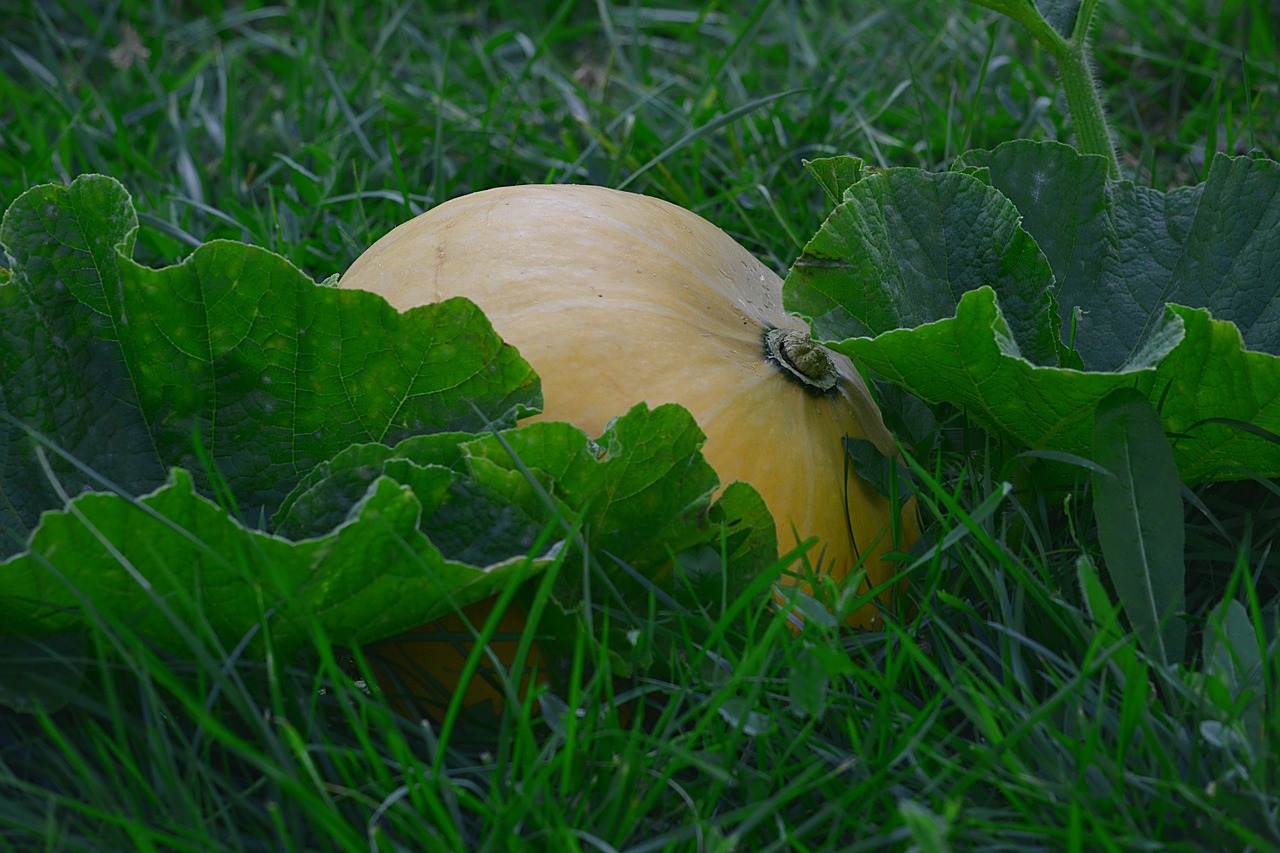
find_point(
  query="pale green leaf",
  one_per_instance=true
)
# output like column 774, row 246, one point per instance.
column 233, row 357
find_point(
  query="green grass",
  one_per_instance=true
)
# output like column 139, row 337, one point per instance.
column 312, row 133
column 1001, row 714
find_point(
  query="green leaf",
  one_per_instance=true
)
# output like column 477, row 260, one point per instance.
column 645, row 478
column 879, row 470
column 61, row 370
column 1119, row 254
column 750, row 540
column 964, row 361
column 641, row 492
column 1096, row 601
column 644, row 492
column 125, row 367
column 835, row 174
column 1106, row 619
column 325, row 495
column 1061, row 14
column 174, row 559
column 1233, row 661
column 1140, row 524
column 903, row 247
column 412, row 533
column 970, row 360
column 1212, row 375
column 1231, row 646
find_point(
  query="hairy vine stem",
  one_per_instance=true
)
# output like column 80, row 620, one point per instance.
column 1084, row 103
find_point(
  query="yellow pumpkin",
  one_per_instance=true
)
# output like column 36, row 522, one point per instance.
column 616, row 298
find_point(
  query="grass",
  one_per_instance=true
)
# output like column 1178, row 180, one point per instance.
column 1005, row 713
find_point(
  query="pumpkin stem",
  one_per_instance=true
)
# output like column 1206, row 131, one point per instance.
column 801, row 359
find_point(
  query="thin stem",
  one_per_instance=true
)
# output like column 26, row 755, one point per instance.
column 1084, row 22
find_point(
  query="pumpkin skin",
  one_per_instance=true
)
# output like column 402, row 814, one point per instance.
column 616, row 298
column 429, row 662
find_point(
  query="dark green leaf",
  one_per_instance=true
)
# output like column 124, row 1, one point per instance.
column 1231, row 646
column 835, row 175
column 1234, row 663
column 1120, row 252
column 1140, row 524
column 905, row 245
column 879, row 470
column 62, row 370
column 1061, row 14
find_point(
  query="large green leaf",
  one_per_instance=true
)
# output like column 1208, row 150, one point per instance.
column 972, row 361
column 953, row 324
column 1120, row 251
column 1208, row 383
column 387, row 538
column 174, row 559
column 155, row 419
column 904, row 245
column 124, row 367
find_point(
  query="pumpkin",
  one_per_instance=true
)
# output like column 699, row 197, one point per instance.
column 422, row 669
column 616, row 298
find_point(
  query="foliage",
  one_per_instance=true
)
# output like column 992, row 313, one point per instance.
column 1055, row 687
column 233, row 353
column 268, row 386
column 1025, row 286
